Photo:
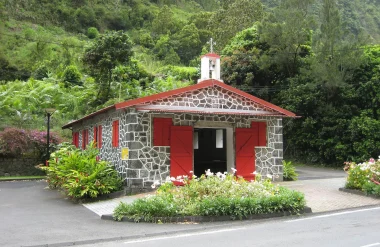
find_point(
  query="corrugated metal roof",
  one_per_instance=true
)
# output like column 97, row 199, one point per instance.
column 278, row 111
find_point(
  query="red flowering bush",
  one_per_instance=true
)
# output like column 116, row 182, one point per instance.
column 17, row 142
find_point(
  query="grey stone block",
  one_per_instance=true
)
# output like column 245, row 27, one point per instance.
column 131, row 118
column 278, row 145
column 135, row 182
column 144, row 174
column 135, row 128
column 135, row 145
column 135, row 164
column 131, row 174
column 129, row 136
column 133, row 155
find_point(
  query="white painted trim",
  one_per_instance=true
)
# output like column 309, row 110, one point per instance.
column 334, row 214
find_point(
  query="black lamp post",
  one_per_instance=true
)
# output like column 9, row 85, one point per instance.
column 49, row 112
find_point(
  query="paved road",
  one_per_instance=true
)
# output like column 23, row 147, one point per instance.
column 356, row 228
column 32, row 215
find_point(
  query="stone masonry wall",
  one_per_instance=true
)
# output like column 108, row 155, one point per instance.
column 147, row 164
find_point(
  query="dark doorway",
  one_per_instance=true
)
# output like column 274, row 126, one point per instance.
column 209, row 150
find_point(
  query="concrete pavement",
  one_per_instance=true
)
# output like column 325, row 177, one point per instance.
column 31, row 215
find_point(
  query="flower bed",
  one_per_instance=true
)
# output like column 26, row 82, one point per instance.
column 364, row 176
column 213, row 195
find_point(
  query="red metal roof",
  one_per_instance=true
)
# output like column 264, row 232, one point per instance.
column 204, row 84
column 68, row 125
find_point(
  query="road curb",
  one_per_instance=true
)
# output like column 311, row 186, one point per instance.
column 201, row 219
column 358, row 192
column 28, row 179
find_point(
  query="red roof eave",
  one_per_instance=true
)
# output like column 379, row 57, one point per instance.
column 88, row 116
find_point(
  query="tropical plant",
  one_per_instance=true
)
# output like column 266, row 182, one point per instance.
column 289, row 171
column 79, row 173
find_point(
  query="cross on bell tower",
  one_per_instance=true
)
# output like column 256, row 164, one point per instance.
column 210, row 64
column 212, row 43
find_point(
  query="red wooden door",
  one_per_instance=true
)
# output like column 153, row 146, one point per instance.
column 181, row 150
column 245, row 140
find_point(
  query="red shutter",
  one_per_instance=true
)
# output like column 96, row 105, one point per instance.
column 157, row 131
column 263, row 134
column 255, row 131
column 83, row 139
column 167, row 124
column 260, row 131
column 100, row 130
column 181, row 151
column 95, row 135
column 73, row 142
column 245, row 152
column 115, row 133
column 76, row 139
column 161, row 131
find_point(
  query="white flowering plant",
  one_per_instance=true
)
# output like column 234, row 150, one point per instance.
column 213, row 194
column 364, row 176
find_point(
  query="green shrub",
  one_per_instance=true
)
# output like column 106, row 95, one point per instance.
column 289, row 171
column 357, row 177
column 213, row 195
column 72, row 76
column 92, row 33
column 79, row 174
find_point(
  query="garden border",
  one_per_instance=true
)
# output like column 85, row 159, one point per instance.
column 200, row 219
column 358, row 192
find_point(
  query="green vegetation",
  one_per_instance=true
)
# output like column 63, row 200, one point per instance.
column 213, row 195
column 79, row 174
column 317, row 58
column 364, row 176
column 289, row 171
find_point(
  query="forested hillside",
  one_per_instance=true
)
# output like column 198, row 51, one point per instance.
column 318, row 58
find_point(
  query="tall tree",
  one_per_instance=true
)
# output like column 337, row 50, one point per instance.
column 233, row 17
column 335, row 48
column 102, row 56
column 287, row 31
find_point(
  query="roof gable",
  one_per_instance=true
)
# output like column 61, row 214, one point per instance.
column 210, row 96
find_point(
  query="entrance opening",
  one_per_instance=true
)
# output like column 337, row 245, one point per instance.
column 210, row 150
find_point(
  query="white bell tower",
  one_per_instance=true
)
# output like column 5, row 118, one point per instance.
column 210, row 65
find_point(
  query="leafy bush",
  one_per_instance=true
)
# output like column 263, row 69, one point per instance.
column 17, row 142
column 213, row 195
column 92, row 33
column 364, row 176
column 72, row 76
column 289, row 171
column 79, row 174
